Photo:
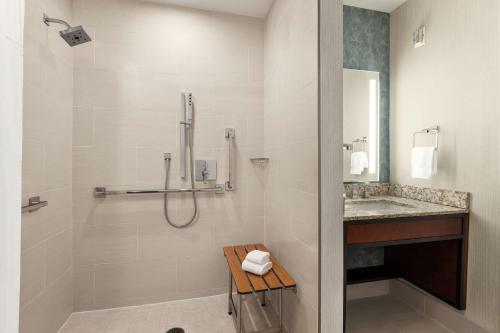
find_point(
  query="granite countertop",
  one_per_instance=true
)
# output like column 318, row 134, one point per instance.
column 401, row 207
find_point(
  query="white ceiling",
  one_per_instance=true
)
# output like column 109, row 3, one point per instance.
column 253, row 8
column 387, row 6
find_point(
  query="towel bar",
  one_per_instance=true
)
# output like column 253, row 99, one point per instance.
column 431, row 130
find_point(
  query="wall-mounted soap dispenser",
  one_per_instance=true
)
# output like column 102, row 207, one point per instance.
column 205, row 170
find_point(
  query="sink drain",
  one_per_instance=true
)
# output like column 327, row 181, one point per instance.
column 175, row 330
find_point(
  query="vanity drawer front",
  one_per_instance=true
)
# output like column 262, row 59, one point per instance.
column 403, row 230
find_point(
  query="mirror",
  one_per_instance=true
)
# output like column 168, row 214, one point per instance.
column 361, row 125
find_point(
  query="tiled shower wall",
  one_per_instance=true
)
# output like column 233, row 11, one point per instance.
column 127, row 90
column 291, row 143
column 47, row 235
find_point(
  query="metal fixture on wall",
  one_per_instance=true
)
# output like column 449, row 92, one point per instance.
column 431, row 130
column 186, row 120
column 72, row 35
column 187, row 136
column 352, row 146
column 347, row 146
column 34, row 204
column 230, row 135
column 360, row 141
column 205, row 170
column 419, row 37
column 103, row 192
column 259, row 160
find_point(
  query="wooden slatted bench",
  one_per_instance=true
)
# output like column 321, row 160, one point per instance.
column 247, row 283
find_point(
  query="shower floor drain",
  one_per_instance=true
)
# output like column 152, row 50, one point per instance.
column 175, row 330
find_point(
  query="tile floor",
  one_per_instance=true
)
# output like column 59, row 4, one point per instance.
column 383, row 314
column 386, row 314
column 201, row 315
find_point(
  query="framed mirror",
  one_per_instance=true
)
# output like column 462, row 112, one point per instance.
column 361, row 126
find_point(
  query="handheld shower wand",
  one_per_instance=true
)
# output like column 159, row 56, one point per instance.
column 187, row 128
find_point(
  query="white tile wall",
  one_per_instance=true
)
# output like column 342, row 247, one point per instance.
column 127, row 90
column 291, row 143
column 453, row 82
column 47, row 235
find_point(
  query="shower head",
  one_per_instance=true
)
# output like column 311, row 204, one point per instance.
column 75, row 36
column 72, row 35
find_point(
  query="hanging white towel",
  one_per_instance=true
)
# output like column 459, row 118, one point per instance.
column 249, row 266
column 423, row 162
column 359, row 162
column 258, row 257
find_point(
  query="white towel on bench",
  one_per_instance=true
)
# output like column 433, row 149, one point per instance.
column 258, row 257
column 257, row 269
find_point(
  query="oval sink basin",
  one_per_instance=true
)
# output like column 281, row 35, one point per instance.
column 377, row 205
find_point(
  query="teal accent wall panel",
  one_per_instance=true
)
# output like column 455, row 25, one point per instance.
column 367, row 47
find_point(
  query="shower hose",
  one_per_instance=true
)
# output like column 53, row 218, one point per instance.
column 165, row 196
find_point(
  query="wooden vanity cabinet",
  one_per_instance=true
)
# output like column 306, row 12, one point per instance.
column 429, row 252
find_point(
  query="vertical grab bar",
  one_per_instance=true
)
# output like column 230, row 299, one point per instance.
column 230, row 134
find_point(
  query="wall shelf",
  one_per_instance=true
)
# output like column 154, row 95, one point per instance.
column 260, row 160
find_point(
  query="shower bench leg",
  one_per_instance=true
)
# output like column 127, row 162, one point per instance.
column 230, row 296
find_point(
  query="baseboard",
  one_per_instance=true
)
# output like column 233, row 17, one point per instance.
column 451, row 318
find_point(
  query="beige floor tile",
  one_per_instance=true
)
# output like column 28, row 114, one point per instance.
column 199, row 315
column 386, row 314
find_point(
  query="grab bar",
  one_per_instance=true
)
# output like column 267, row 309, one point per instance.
column 102, row 192
column 230, row 135
column 431, row 130
column 34, row 204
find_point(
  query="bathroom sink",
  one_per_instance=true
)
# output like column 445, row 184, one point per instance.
column 377, row 205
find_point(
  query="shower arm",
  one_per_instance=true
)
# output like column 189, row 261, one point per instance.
column 47, row 20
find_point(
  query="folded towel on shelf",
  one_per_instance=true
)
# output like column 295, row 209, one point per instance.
column 359, row 162
column 258, row 257
column 256, row 269
column 423, row 162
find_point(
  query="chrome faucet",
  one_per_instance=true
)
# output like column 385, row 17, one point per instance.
column 360, row 193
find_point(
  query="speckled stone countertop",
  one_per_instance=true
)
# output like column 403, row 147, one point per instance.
column 403, row 207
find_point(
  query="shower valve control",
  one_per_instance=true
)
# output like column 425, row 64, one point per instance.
column 205, row 170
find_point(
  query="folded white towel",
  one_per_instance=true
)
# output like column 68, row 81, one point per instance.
column 359, row 162
column 423, row 162
column 258, row 257
column 251, row 267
